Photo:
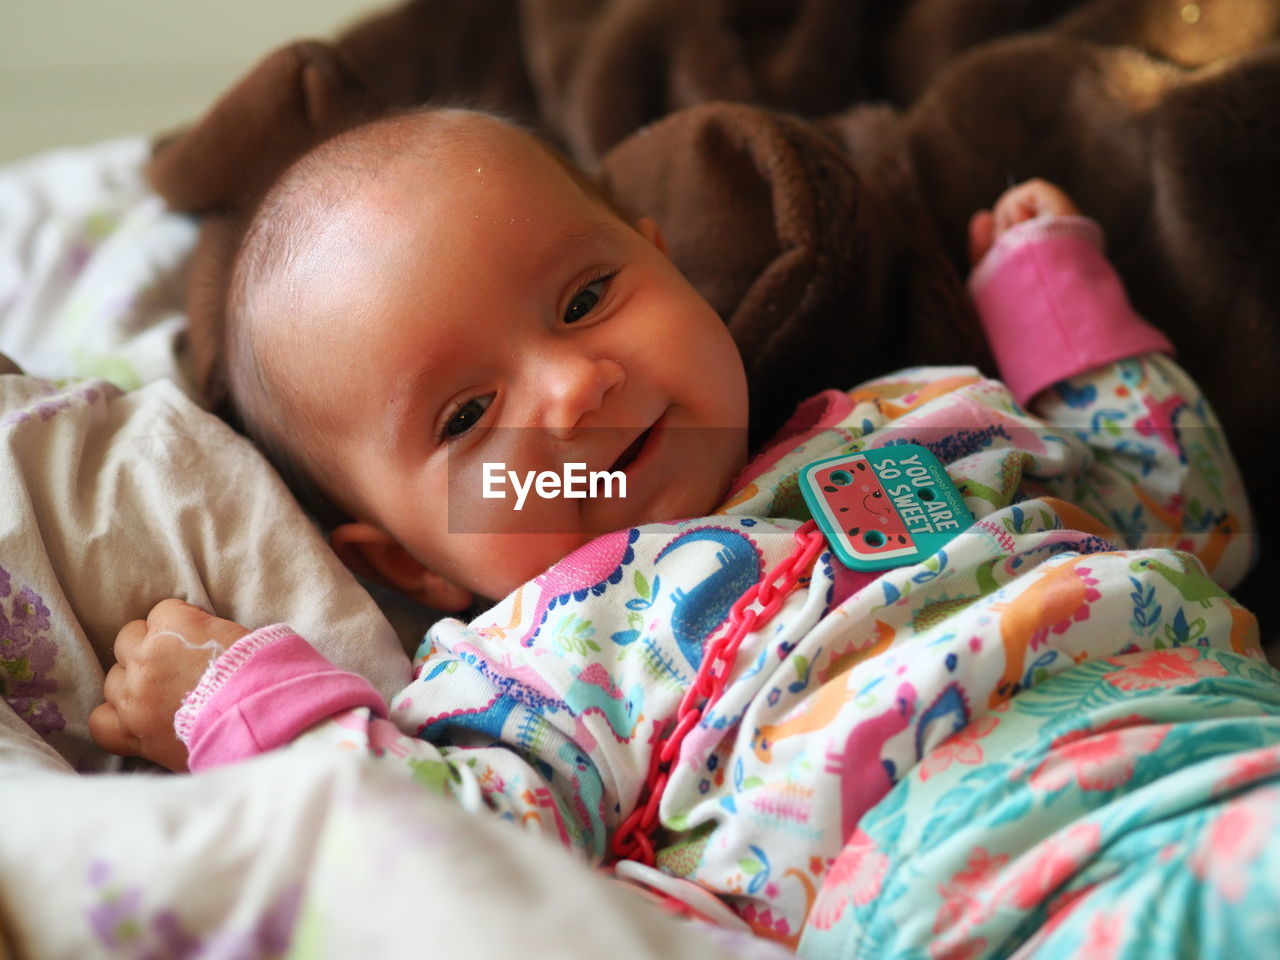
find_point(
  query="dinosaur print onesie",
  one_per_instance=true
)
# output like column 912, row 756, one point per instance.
column 1107, row 523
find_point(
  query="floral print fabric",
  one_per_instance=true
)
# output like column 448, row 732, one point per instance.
column 1093, row 539
column 1126, row 808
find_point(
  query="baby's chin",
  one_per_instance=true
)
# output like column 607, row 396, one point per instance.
column 683, row 503
column 527, row 556
column 704, row 497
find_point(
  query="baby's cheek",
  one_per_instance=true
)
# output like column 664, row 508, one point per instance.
column 500, row 563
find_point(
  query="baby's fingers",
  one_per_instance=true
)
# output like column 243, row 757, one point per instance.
column 1031, row 199
column 174, row 613
column 982, row 234
column 129, row 640
column 115, row 686
column 107, row 731
column 1016, row 206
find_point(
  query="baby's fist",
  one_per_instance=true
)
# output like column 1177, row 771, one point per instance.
column 1026, row 201
column 158, row 662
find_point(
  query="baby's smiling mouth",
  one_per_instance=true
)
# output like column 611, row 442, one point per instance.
column 628, row 456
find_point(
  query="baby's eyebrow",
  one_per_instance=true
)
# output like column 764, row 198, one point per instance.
column 574, row 239
column 406, row 406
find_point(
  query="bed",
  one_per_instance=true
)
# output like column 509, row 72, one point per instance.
column 120, row 490
column 813, row 203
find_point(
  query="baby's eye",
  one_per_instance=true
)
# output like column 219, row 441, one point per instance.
column 585, row 301
column 465, row 416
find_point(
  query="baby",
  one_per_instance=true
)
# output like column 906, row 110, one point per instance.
column 388, row 336
column 685, row 674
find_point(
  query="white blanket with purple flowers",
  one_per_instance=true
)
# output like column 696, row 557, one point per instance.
column 111, row 501
column 92, row 267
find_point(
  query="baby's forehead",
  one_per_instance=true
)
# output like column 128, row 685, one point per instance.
column 448, row 144
column 379, row 186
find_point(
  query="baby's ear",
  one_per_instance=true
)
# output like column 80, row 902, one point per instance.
column 376, row 555
column 650, row 231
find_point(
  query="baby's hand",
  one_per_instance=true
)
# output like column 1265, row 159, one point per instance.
column 1026, row 201
column 158, row 662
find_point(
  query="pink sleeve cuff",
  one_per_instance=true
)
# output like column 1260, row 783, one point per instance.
column 1053, row 307
column 263, row 692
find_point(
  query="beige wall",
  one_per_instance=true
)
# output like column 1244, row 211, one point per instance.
column 75, row 71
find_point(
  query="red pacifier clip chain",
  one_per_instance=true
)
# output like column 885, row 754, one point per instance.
column 870, row 528
column 633, row 840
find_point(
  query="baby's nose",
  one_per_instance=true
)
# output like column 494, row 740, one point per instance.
column 576, row 387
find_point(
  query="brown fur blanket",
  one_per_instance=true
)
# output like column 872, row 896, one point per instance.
column 813, row 164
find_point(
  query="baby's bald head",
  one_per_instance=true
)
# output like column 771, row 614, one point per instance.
column 283, row 274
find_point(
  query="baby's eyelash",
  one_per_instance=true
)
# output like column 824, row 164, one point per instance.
column 575, row 310
column 462, row 416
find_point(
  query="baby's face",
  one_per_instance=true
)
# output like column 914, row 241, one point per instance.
column 475, row 308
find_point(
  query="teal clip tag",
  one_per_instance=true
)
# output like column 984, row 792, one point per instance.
column 886, row 507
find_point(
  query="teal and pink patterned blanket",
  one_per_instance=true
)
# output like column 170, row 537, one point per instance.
column 1129, row 807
